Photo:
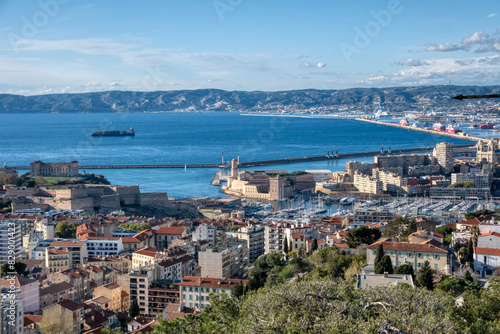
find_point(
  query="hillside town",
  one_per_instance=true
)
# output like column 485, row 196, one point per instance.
column 75, row 258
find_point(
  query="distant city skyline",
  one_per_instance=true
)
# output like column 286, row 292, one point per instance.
column 63, row 46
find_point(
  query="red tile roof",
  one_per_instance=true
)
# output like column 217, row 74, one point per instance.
column 402, row 246
column 30, row 319
column 70, row 305
column 67, row 243
column 148, row 251
column 53, row 250
column 170, row 230
column 487, row 251
column 494, row 234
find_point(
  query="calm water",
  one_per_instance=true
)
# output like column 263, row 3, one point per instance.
column 180, row 138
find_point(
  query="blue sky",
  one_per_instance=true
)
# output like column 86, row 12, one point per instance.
column 57, row 46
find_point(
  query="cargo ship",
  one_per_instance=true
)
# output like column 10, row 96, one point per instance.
column 114, row 133
column 438, row 126
column 453, row 128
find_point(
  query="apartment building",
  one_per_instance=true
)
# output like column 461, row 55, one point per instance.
column 195, row 291
column 412, row 254
column 254, row 236
column 229, row 259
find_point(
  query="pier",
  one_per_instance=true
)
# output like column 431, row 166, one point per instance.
column 274, row 161
column 461, row 135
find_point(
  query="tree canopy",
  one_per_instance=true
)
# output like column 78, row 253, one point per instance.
column 66, row 230
column 384, row 265
column 425, row 278
column 362, row 235
column 321, row 306
column 400, row 228
column 19, row 268
column 134, row 227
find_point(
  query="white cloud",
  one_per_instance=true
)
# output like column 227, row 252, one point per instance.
column 478, row 70
column 492, row 15
column 477, row 42
column 410, row 62
column 445, row 47
column 320, row 65
column 477, row 37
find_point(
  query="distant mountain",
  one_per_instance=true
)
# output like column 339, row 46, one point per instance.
column 220, row 100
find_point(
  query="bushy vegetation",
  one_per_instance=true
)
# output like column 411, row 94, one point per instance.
column 447, row 232
column 476, row 214
column 134, row 227
column 462, row 185
column 400, row 228
column 66, row 230
column 324, row 300
column 5, row 206
column 362, row 235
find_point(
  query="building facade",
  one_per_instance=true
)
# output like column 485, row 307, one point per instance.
column 64, row 169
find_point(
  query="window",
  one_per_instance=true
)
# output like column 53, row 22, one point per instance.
column 392, row 253
column 410, row 254
column 419, row 255
column 400, row 253
column 436, row 256
column 195, row 289
column 399, row 263
column 190, row 297
column 373, row 252
column 419, row 264
column 436, row 266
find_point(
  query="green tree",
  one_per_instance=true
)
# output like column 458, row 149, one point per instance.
column 66, row 230
column 468, row 277
column 321, row 306
column 479, row 213
column 470, row 250
column 425, row 277
column 452, row 285
column 134, row 227
column 19, row 268
column 405, row 269
column 475, row 232
column 133, row 310
column 8, row 179
column 384, row 265
column 379, row 255
column 314, row 245
column 446, row 231
column 261, row 269
column 362, row 235
column 285, row 245
column 400, row 228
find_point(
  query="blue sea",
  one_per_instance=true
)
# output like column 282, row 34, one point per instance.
column 191, row 138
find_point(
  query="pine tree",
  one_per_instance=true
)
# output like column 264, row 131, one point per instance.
column 405, row 269
column 384, row 265
column 379, row 255
column 314, row 245
column 470, row 250
column 133, row 310
column 468, row 276
column 424, row 277
column 285, row 246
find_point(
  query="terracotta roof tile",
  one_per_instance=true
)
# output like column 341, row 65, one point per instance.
column 487, row 251
column 389, row 245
